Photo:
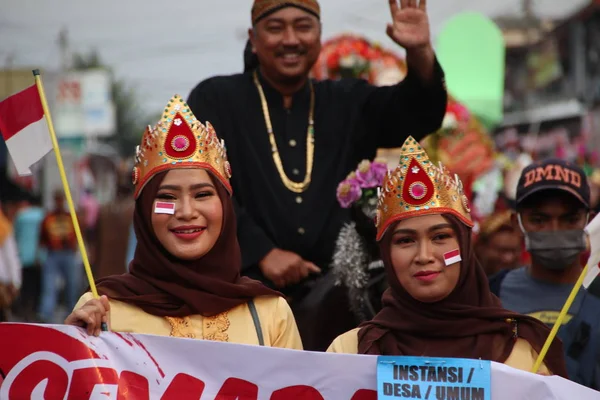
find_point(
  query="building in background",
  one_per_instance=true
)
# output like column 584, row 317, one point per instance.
column 552, row 83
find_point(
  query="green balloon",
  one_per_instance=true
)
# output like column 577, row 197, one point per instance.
column 471, row 50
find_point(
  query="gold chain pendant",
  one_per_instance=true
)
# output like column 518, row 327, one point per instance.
column 296, row 187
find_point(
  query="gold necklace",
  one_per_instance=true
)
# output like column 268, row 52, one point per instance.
column 296, row 187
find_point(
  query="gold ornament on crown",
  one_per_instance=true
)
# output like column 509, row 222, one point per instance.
column 179, row 140
column 418, row 187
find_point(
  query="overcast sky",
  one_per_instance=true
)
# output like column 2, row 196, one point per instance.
column 163, row 48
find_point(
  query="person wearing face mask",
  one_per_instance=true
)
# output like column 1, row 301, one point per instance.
column 439, row 303
column 552, row 210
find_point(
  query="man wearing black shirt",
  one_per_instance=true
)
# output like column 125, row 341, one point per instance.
column 290, row 142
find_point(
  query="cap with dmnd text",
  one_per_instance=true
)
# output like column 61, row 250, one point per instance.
column 554, row 174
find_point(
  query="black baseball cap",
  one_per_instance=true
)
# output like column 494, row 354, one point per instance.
column 554, row 174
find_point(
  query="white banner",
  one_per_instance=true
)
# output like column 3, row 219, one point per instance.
column 59, row 362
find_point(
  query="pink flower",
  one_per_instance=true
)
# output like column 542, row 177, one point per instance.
column 348, row 192
column 365, row 175
column 380, row 171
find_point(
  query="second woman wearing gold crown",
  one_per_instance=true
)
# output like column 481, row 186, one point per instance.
column 185, row 279
column 439, row 303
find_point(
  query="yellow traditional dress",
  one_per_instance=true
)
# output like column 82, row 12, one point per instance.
column 236, row 325
column 523, row 356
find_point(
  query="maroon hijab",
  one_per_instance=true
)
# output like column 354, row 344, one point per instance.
column 163, row 285
column 469, row 323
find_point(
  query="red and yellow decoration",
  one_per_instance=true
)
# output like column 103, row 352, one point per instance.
column 462, row 144
column 179, row 140
column 418, row 187
column 350, row 56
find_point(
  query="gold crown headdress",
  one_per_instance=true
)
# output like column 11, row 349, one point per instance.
column 179, row 140
column 417, row 187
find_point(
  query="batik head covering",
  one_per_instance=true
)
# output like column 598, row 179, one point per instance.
column 263, row 8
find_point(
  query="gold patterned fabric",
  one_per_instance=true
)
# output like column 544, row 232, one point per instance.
column 215, row 327
column 181, row 327
column 417, row 187
column 179, row 140
column 262, row 8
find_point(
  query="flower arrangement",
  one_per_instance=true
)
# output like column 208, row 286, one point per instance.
column 356, row 261
column 352, row 56
column 360, row 186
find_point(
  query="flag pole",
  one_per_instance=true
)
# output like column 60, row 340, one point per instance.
column 559, row 320
column 65, row 183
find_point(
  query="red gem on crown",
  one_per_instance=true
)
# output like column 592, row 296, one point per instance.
column 417, row 190
column 180, row 143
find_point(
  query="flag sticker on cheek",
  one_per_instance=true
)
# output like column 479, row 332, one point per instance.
column 162, row 207
column 452, row 257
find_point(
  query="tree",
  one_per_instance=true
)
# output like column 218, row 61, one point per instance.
column 131, row 121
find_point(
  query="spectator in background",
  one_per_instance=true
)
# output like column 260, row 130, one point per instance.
column 89, row 208
column 58, row 238
column 10, row 267
column 553, row 208
column 498, row 245
column 28, row 221
column 114, row 223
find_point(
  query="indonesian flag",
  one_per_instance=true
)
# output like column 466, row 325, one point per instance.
column 452, row 257
column 593, row 231
column 24, row 129
column 162, row 207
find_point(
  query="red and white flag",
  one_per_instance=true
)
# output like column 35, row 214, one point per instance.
column 162, row 207
column 24, row 129
column 452, row 257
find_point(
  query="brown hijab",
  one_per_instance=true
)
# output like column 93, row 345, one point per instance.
column 163, row 285
column 469, row 323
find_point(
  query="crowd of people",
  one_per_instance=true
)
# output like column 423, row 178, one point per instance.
column 236, row 220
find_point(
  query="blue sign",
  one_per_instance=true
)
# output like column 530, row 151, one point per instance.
column 433, row 378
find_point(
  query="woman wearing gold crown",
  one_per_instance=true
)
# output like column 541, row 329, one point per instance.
column 439, row 303
column 185, row 279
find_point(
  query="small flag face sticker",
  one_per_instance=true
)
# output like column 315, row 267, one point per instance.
column 452, row 257
column 161, row 207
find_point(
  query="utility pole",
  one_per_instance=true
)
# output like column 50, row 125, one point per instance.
column 532, row 24
column 66, row 58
